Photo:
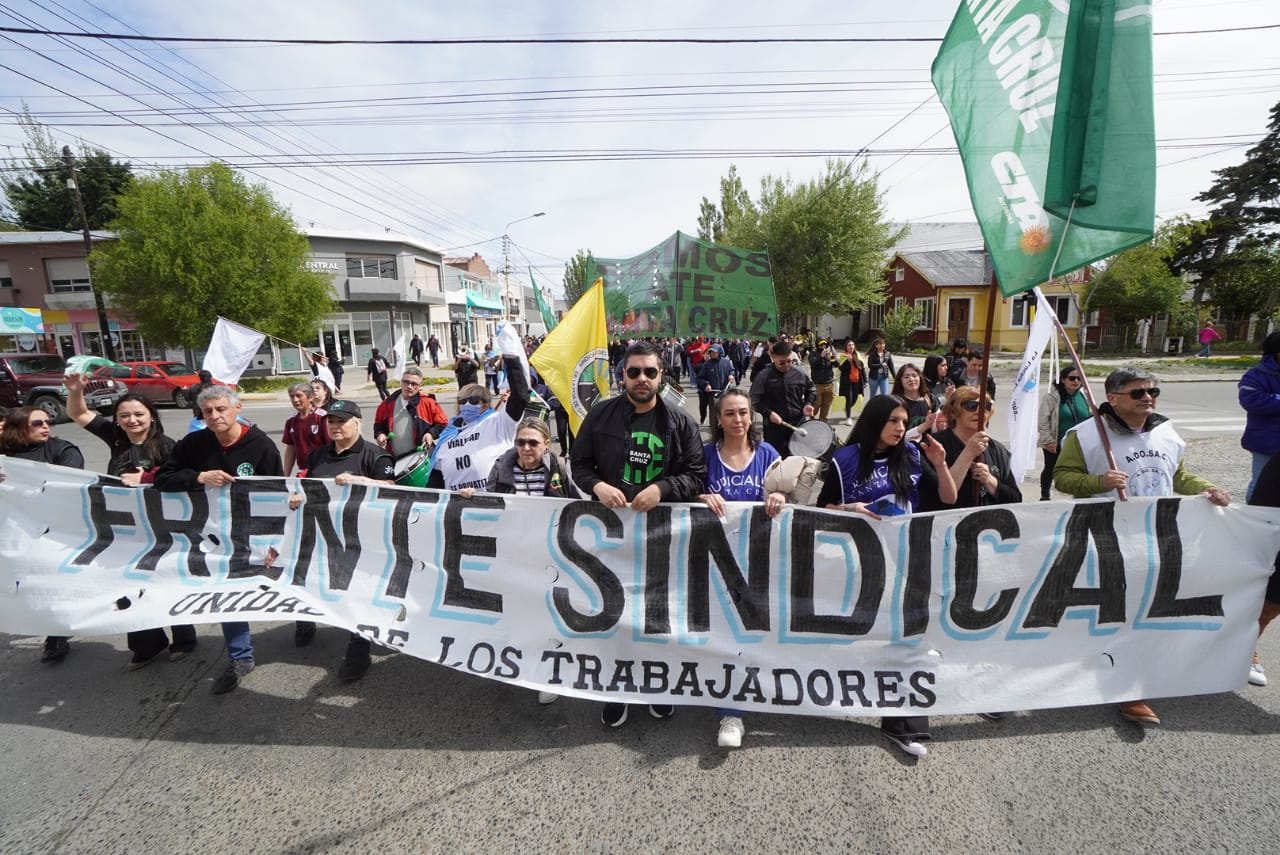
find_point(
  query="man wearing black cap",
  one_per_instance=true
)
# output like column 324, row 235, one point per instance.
column 714, row 375
column 783, row 395
column 822, row 370
column 348, row 459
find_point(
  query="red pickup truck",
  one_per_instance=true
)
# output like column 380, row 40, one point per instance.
column 35, row 379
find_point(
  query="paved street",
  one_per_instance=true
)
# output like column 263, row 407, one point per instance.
column 419, row 758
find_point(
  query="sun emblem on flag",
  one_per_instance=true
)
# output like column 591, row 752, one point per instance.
column 1034, row 240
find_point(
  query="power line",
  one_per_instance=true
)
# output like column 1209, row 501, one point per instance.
column 784, row 40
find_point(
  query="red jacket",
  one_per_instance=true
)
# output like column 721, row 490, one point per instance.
column 431, row 419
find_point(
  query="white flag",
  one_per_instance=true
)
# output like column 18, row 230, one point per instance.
column 231, row 350
column 509, row 344
column 1024, row 407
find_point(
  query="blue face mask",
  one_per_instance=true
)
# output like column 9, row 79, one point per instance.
column 470, row 412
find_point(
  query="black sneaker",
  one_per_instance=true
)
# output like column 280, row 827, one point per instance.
column 661, row 710
column 230, row 678
column 304, row 632
column 614, row 715
column 56, row 648
column 993, row 716
column 142, row 658
column 179, row 650
column 353, row 668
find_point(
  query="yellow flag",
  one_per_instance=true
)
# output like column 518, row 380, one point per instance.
column 574, row 357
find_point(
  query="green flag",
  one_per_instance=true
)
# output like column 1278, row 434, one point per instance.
column 686, row 286
column 548, row 316
column 1051, row 105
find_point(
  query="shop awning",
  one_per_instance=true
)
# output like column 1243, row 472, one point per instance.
column 476, row 300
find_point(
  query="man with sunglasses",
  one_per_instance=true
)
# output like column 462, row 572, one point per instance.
column 782, row 393
column 407, row 419
column 1149, row 462
column 633, row 450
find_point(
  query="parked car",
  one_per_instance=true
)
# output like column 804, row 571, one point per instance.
column 159, row 382
column 35, row 379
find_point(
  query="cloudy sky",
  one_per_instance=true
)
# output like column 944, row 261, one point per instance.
column 616, row 143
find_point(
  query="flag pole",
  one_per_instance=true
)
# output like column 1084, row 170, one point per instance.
column 1075, row 358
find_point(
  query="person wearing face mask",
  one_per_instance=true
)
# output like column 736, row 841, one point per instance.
column 1148, row 457
column 478, row 435
column 138, row 448
column 26, row 435
column 408, row 419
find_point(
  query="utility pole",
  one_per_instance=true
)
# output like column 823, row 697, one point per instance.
column 104, row 328
column 506, row 261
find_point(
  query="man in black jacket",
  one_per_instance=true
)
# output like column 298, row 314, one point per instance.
column 634, row 450
column 782, row 393
column 215, row 457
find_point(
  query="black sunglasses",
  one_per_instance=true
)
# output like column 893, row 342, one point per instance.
column 474, row 399
column 37, row 424
column 649, row 371
column 1139, row 394
column 528, row 443
column 972, row 406
column 1074, row 378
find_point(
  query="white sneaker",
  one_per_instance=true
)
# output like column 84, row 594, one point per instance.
column 545, row 698
column 1257, row 677
column 848, row 422
column 907, row 745
column 731, row 732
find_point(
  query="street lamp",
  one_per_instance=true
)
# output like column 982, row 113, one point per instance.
column 506, row 260
column 108, row 348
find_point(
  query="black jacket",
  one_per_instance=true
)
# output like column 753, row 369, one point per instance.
column 254, row 453
column 822, row 368
column 600, row 450
column 786, row 394
column 362, row 458
column 877, row 364
column 502, row 477
column 997, row 459
column 57, row 451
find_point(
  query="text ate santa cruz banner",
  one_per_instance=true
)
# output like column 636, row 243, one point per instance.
column 689, row 287
column 1013, row 607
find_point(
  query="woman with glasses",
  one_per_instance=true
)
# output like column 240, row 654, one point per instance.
column 737, row 459
column 979, row 464
column 138, row 447
column 479, row 434
column 1064, row 406
column 26, row 435
column 879, row 473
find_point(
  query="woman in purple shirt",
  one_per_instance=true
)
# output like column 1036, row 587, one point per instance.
column 736, row 462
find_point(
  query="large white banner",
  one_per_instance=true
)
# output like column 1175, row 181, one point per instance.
column 816, row 612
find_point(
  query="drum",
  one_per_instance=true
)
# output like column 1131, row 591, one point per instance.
column 672, row 393
column 412, row 470
column 814, row 438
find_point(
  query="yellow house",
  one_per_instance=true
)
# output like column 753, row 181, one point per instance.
column 952, row 287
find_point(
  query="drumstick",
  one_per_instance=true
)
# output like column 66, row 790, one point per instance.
column 800, row 432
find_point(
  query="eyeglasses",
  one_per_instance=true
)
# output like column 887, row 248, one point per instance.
column 649, row 371
column 528, row 443
column 1139, row 394
column 38, row 424
column 474, row 399
column 972, row 406
column 1074, row 378
column 410, row 384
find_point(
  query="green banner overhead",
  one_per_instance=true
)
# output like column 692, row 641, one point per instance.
column 1051, row 105
column 689, row 287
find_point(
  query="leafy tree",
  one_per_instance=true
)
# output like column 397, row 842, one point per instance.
column 828, row 239
column 1140, row 281
column 735, row 207
column 1248, row 282
column 575, row 276
column 899, row 323
column 201, row 243
column 36, row 188
column 1246, row 200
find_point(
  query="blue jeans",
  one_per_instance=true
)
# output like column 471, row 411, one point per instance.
column 239, row 643
column 1206, row 349
column 879, row 386
column 1259, row 461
